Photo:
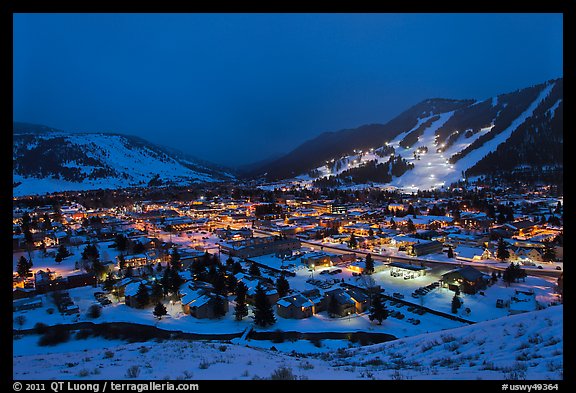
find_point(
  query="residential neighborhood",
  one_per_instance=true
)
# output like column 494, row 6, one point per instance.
column 297, row 255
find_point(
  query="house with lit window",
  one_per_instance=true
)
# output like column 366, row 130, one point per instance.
column 469, row 253
column 295, row 306
column 199, row 300
column 466, row 279
column 406, row 271
column 316, row 259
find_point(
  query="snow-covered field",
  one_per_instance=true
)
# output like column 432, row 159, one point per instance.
column 482, row 309
column 527, row 346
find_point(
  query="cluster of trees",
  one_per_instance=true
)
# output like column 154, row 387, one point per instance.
column 90, row 259
column 513, row 273
column 48, row 158
column 371, row 171
column 412, row 138
column 510, row 106
column 263, row 311
column 23, row 266
column 536, row 143
column 369, row 264
column 268, row 209
column 377, row 311
column 314, row 173
column 321, row 234
column 62, row 253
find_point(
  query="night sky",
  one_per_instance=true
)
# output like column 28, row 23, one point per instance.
column 239, row 88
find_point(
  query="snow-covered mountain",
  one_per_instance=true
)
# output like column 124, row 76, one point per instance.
column 49, row 160
column 525, row 346
column 437, row 142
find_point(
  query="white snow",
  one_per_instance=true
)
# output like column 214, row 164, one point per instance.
column 433, row 169
column 553, row 108
column 526, row 346
column 140, row 163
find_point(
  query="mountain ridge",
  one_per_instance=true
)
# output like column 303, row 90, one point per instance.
column 471, row 130
column 46, row 159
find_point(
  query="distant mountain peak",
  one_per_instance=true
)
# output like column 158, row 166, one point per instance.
column 439, row 140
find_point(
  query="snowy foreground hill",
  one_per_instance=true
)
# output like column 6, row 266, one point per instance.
column 48, row 160
column 526, row 346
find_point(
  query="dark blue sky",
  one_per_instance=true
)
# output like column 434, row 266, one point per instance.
column 238, row 88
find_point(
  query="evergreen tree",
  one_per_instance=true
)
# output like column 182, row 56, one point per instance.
column 43, row 247
column 237, row 268
column 240, row 310
column 121, row 262
column 121, row 242
column 263, row 312
column 23, row 266
column 502, row 252
column 333, row 307
column 219, row 283
column 90, row 253
column 159, row 267
column 142, row 297
column 159, row 310
column 47, row 223
column 108, row 283
column 410, row 227
column 509, row 214
column 98, row 269
column 129, row 272
column 199, row 269
column 549, row 252
column 157, row 292
column 165, row 281
column 450, row 252
column 175, row 260
column 229, row 261
column 378, row 311
column 352, row 243
column 392, row 223
column 410, row 210
column 494, row 278
column 455, row 304
column 254, row 270
column 212, row 273
column 519, row 273
column 138, row 248
column 282, row 286
column 62, row 253
column 231, row 283
column 456, row 214
column 219, row 310
column 371, row 232
column 175, row 281
column 369, row 269
column 509, row 275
